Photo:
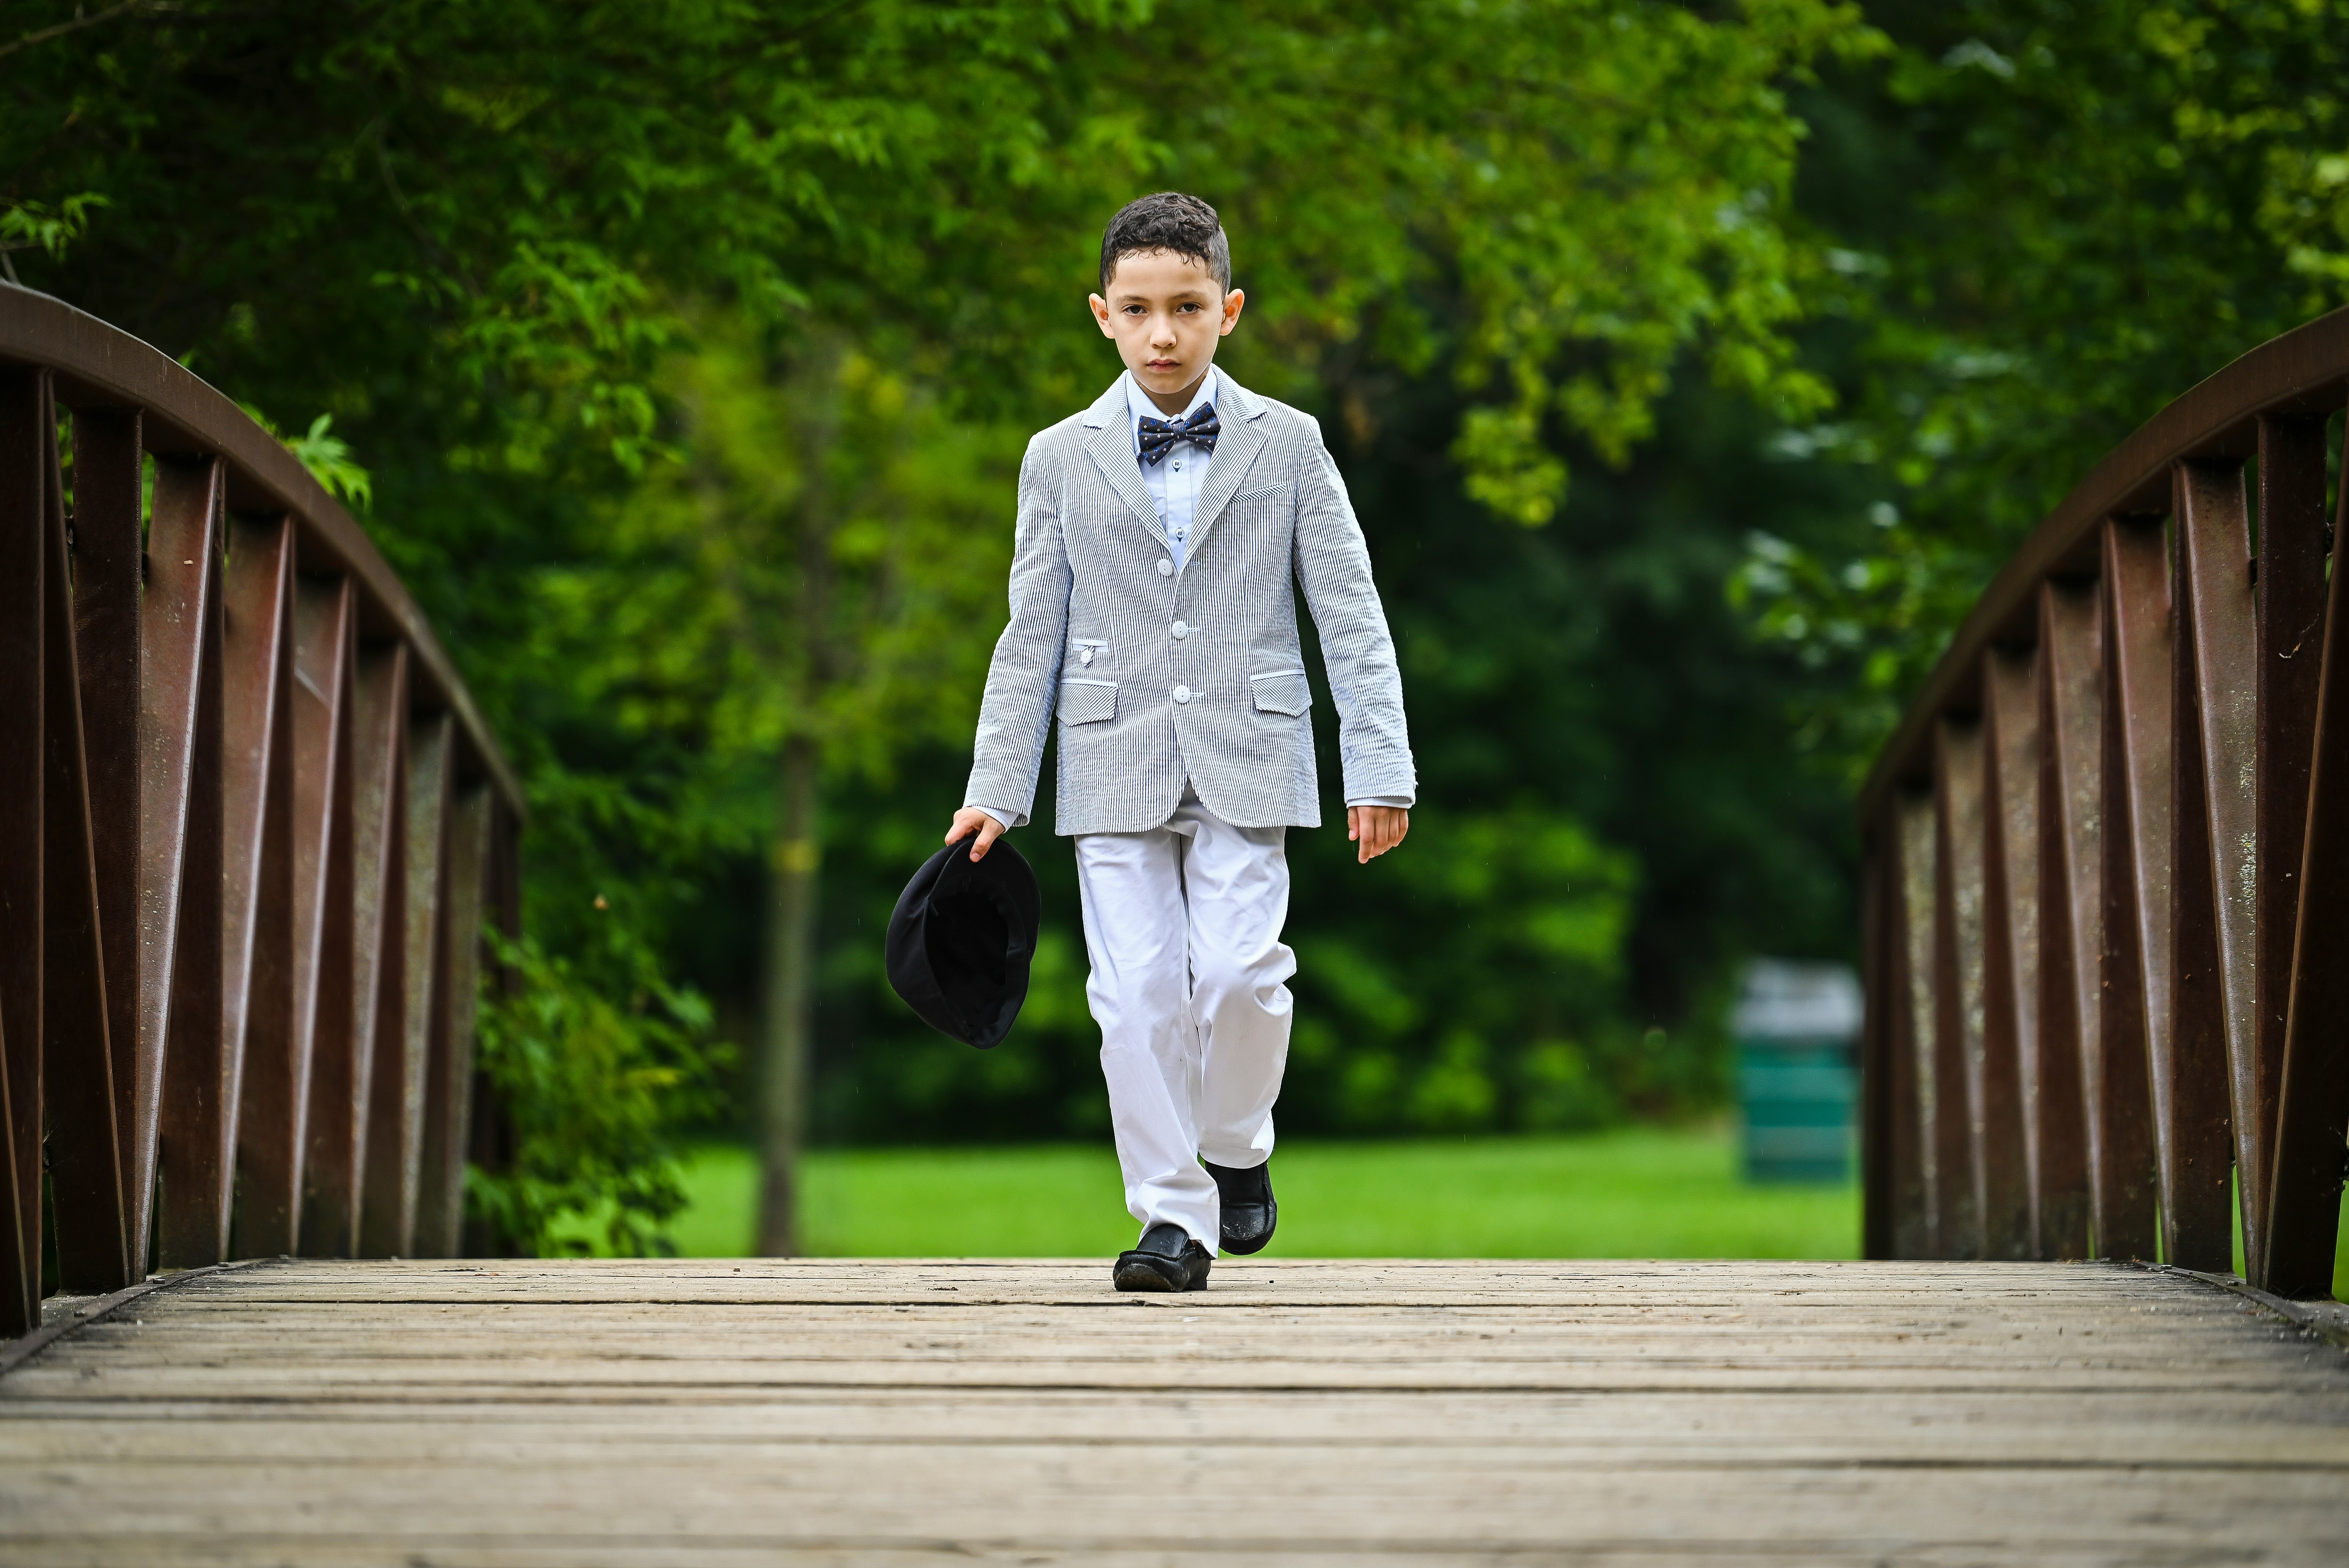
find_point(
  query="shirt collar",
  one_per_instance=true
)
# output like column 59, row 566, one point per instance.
column 1138, row 406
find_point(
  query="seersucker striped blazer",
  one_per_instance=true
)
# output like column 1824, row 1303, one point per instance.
column 1157, row 676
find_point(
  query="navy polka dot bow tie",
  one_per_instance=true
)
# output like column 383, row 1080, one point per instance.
column 1159, row 435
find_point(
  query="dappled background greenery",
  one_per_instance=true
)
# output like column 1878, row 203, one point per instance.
column 1691, row 366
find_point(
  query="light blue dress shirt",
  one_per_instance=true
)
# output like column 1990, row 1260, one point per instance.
column 1174, row 480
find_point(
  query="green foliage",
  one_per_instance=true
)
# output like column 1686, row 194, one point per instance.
column 686, row 352
column 327, row 457
column 26, row 224
column 598, row 1091
column 2050, row 220
column 812, row 552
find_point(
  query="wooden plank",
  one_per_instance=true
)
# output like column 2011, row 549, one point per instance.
column 396, row 1132
column 183, row 865
column 440, row 1199
column 2133, row 1013
column 2070, row 783
column 324, row 652
column 1958, row 962
column 341, row 1079
column 263, row 1089
column 2011, row 940
column 2290, row 653
column 87, row 1192
column 632, row 1411
column 108, row 546
column 24, row 436
column 2303, row 1216
column 2213, row 869
column 1920, row 1234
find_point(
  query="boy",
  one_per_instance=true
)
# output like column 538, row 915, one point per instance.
column 1162, row 534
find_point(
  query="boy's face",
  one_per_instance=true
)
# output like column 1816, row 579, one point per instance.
column 1165, row 312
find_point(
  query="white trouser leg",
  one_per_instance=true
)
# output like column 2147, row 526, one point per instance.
column 1183, row 928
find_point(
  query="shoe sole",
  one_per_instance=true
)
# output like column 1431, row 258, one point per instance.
column 1249, row 1249
column 1141, row 1274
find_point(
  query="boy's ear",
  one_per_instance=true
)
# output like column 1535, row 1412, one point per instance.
column 1101, row 314
column 1234, row 301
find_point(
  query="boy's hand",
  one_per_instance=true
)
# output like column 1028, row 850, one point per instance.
column 1375, row 829
column 970, row 818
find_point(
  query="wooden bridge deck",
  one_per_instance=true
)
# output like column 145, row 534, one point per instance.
column 516, row 1414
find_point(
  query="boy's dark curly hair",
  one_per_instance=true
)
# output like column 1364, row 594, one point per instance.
column 1171, row 222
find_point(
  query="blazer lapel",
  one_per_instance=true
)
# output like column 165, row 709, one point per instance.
column 1111, row 443
column 1241, row 417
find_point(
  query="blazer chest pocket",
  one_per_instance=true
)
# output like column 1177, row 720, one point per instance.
column 1282, row 691
column 1087, row 701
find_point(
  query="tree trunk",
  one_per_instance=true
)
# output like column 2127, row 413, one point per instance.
column 789, row 1002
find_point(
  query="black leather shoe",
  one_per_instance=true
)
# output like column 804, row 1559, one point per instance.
column 1249, row 1213
column 1164, row 1258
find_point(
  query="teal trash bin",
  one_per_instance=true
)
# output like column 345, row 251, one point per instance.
column 1796, row 1027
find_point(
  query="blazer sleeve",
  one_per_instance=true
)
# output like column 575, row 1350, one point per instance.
column 1333, row 567
column 1016, row 714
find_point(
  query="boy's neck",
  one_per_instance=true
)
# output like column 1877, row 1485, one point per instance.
column 1174, row 405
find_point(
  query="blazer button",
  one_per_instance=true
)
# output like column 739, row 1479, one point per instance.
column 1182, row 630
column 1166, row 567
column 1182, row 694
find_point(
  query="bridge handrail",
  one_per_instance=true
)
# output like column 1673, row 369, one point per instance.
column 2106, row 864
column 251, row 825
column 97, row 364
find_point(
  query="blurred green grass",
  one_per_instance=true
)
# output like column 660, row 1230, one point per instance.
column 1631, row 1193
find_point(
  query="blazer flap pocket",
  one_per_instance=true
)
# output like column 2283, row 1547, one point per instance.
column 1282, row 691
column 1088, row 701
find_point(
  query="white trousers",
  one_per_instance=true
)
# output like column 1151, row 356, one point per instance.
column 1183, row 926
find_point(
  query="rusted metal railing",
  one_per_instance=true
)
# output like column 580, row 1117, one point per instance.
column 2107, row 866
column 250, row 828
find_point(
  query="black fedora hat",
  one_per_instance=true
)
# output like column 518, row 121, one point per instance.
column 961, row 939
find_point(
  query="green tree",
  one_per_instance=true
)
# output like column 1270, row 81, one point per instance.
column 794, row 580
column 2047, row 220
column 482, row 239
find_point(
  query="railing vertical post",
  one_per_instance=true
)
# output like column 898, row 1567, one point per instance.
column 2071, row 926
column 2289, row 662
column 325, row 650
column 85, row 1138
column 265, row 1089
column 108, row 576
column 2133, row 1024
column 342, row 1079
column 2010, row 1128
column 2213, row 865
column 1958, row 985
column 1920, row 1234
column 449, row 1091
column 1879, row 1167
column 2303, row 1208
column 24, row 437
column 181, row 881
column 403, row 1056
